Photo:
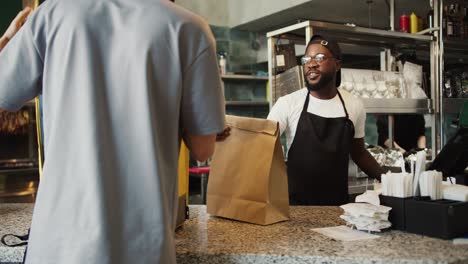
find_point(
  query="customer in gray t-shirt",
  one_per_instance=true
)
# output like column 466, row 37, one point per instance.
column 122, row 81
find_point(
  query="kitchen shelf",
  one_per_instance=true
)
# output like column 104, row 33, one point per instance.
column 244, row 77
column 247, row 103
column 456, row 46
column 453, row 105
column 244, row 94
column 397, row 105
column 19, row 171
column 455, row 51
column 354, row 35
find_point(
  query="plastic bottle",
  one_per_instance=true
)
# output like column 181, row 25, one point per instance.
column 430, row 19
column 450, row 30
column 222, row 64
column 448, row 89
column 414, row 23
column 444, row 21
column 450, row 23
column 465, row 23
column 405, row 23
column 457, row 21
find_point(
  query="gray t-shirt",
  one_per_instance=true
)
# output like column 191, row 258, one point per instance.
column 120, row 80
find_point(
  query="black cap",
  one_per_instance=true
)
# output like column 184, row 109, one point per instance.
column 332, row 46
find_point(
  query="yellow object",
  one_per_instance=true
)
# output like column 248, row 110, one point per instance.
column 183, row 171
column 40, row 147
column 413, row 23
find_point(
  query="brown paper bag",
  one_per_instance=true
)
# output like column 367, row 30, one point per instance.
column 248, row 180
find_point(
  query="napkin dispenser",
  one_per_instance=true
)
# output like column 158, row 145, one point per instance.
column 436, row 218
column 397, row 215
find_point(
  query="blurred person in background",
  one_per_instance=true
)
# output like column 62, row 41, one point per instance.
column 408, row 129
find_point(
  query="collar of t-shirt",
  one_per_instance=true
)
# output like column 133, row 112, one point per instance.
column 326, row 107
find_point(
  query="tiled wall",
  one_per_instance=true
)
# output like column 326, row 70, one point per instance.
column 241, row 49
column 371, row 135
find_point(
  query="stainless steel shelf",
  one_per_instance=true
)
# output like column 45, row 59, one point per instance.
column 455, row 51
column 453, row 105
column 355, row 35
column 244, row 77
column 19, row 170
column 398, row 105
column 247, row 103
column 456, row 46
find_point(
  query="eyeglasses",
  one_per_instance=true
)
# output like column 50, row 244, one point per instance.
column 318, row 58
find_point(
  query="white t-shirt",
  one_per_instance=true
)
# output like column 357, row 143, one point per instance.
column 287, row 111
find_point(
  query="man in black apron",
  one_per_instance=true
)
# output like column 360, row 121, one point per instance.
column 319, row 153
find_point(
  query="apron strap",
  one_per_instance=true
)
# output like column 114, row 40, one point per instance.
column 306, row 103
column 342, row 102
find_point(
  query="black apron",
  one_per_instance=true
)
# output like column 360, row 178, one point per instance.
column 318, row 159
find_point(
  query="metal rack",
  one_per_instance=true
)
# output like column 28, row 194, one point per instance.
column 245, row 78
column 450, row 50
column 379, row 41
column 452, row 105
column 397, row 106
column 247, row 103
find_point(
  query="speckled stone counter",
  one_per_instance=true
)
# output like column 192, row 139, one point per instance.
column 207, row 239
column 14, row 219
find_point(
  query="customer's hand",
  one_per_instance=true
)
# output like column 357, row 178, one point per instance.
column 15, row 25
column 224, row 134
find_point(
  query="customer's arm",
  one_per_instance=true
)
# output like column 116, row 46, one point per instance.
column 14, row 26
column 364, row 159
column 20, row 57
column 201, row 146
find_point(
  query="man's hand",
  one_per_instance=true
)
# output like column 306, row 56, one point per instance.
column 15, row 25
column 224, row 134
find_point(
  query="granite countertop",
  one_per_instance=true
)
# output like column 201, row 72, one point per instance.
column 14, row 219
column 207, row 239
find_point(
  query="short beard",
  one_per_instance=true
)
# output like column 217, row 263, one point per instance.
column 325, row 80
